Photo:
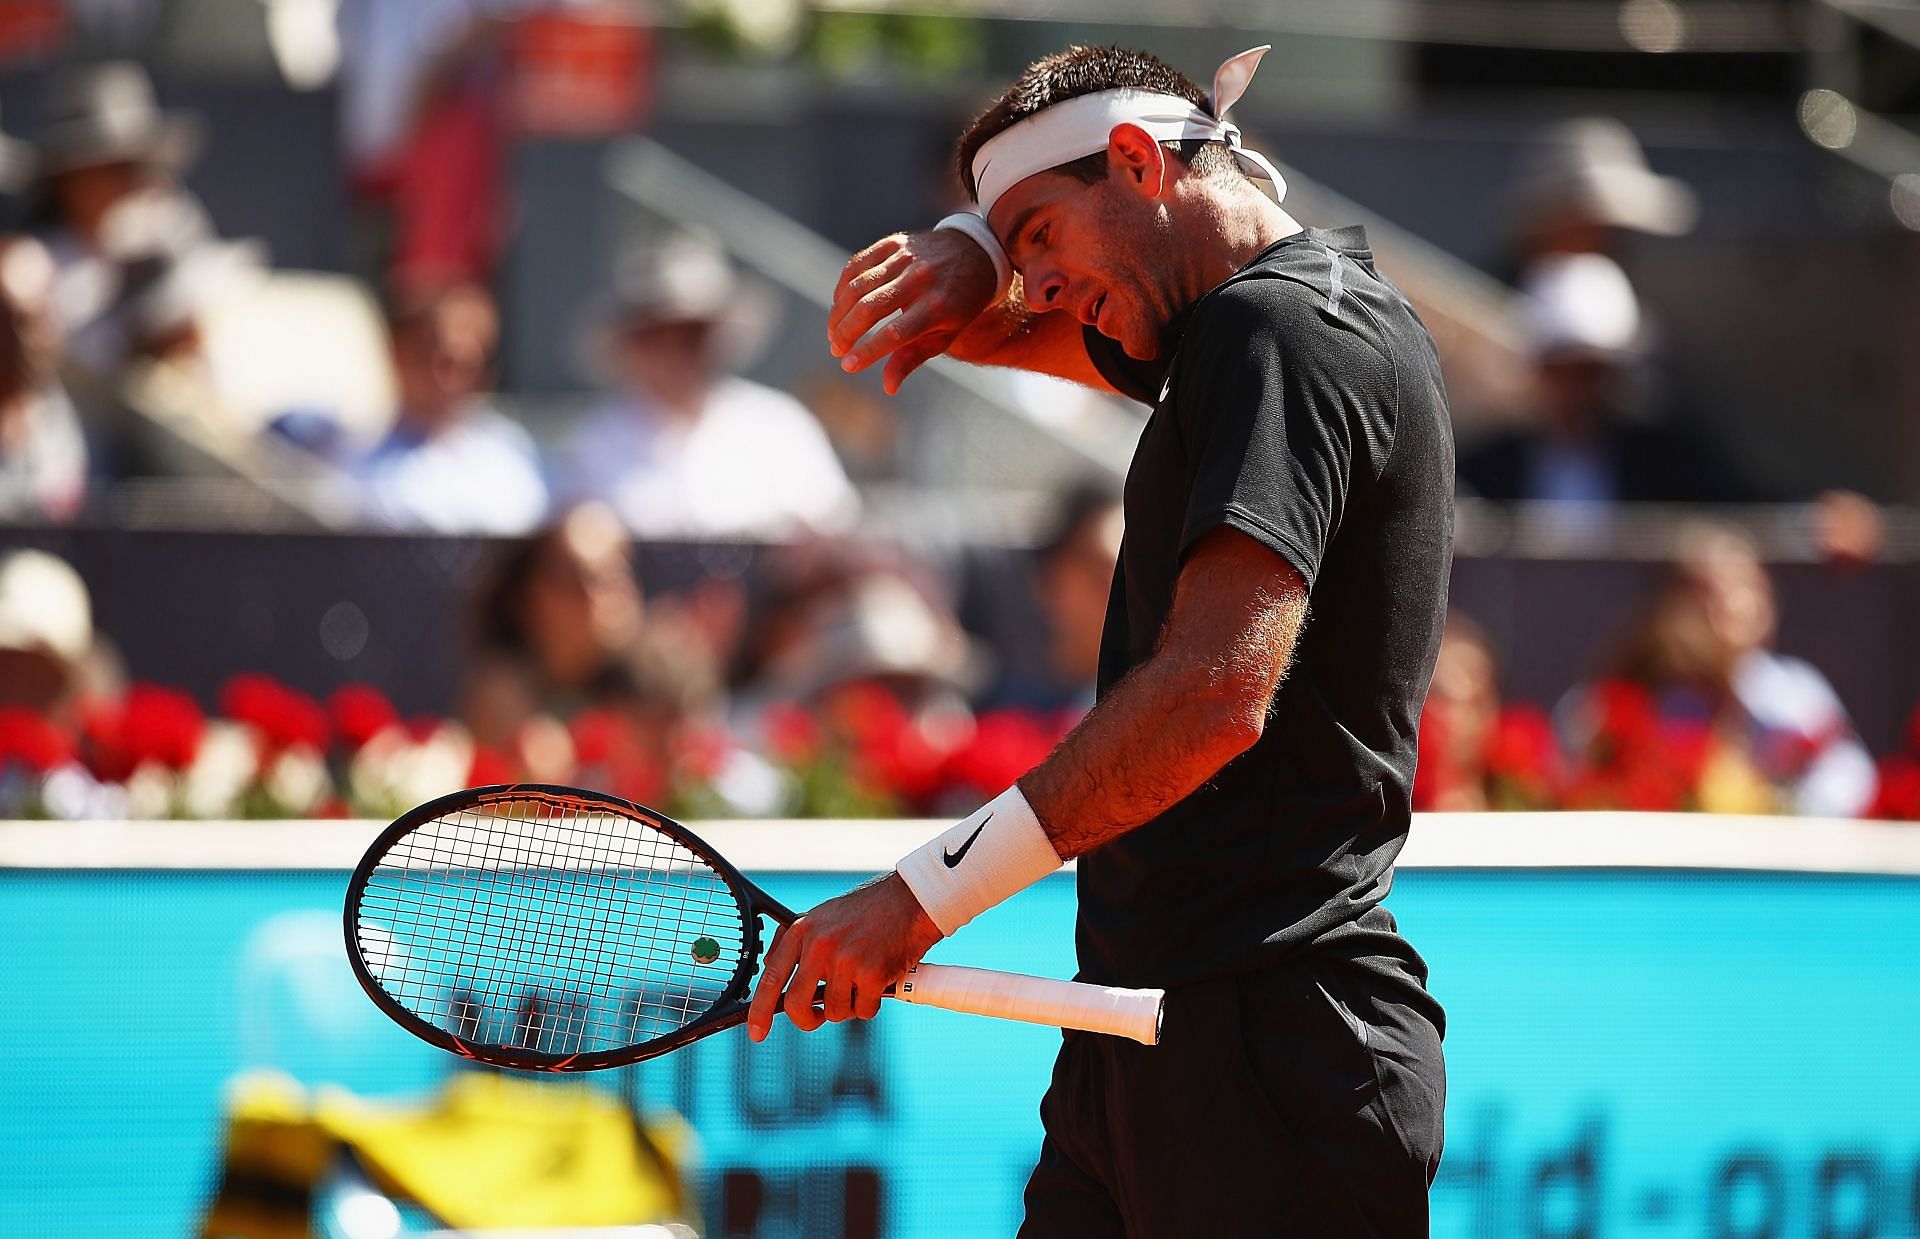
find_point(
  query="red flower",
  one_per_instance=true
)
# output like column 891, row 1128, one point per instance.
column 1898, row 797
column 640, row 782
column 1589, row 789
column 1522, row 745
column 1685, row 748
column 490, row 766
column 250, row 698
column 103, row 735
column 597, row 736
column 1522, row 759
column 702, row 752
column 864, row 713
column 1005, row 745
column 35, row 742
column 159, row 725
column 1650, row 788
column 793, row 735
column 907, row 763
column 611, row 754
column 1626, row 720
column 360, row 712
column 282, row 717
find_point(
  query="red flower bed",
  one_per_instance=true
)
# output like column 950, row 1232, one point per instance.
column 859, row 751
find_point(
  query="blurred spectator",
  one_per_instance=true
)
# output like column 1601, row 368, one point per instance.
column 874, row 628
column 452, row 463
column 1583, row 184
column 48, row 657
column 565, row 630
column 43, row 453
column 562, row 612
column 686, row 448
column 856, row 676
column 829, row 611
column 110, row 200
column 1477, row 753
column 1457, row 723
column 168, row 294
column 422, row 133
column 1071, row 578
column 1774, row 734
column 1597, row 442
column 140, row 271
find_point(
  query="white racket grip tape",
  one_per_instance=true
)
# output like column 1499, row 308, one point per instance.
column 1130, row 1013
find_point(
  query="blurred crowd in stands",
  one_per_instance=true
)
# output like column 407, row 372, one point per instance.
column 133, row 334
column 840, row 681
column 137, row 341
column 844, row 685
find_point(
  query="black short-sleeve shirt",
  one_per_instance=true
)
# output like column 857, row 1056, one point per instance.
column 1300, row 403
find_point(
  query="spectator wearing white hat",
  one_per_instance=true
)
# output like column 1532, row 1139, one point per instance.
column 1594, row 442
column 108, row 162
column 1584, row 184
column 686, row 448
column 47, row 648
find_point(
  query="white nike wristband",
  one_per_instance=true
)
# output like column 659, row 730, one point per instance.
column 976, row 227
column 997, row 852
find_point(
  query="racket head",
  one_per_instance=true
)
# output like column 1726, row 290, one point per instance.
column 548, row 928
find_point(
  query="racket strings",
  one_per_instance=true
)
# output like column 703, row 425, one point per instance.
column 541, row 925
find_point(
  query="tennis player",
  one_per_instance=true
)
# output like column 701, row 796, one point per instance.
column 1237, row 796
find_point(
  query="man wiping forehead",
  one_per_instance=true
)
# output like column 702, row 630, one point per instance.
column 1241, row 789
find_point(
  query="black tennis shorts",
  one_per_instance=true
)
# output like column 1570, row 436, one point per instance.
column 1299, row 1100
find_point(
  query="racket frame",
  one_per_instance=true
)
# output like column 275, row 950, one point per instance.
column 727, row 1011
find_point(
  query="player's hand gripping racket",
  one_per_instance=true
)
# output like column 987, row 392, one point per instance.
column 554, row 929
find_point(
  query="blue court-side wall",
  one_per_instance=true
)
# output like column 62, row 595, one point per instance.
column 1631, row 1055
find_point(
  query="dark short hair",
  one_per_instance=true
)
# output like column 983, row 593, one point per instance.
column 1084, row 71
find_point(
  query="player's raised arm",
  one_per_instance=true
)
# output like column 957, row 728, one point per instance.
column 912, row 296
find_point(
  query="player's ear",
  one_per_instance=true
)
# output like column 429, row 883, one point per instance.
column 1137, row 160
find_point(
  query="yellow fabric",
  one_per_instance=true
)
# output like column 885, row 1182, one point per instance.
column 488, row 1151
column 499, row 1151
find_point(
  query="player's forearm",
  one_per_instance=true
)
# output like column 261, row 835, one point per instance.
column 1010, row 334
column 1155, row 738
column 1197, row 704
column 997, row 336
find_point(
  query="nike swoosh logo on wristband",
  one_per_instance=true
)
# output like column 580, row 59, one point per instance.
column 953, row 859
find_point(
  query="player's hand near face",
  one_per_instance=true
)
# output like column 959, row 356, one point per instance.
column 857, row 944
column 939, row 281
column 915, row 295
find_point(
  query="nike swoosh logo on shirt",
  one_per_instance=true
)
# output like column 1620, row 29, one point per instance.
column 953, row 859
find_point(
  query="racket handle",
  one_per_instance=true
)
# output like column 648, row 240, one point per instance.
column 1133, row 1013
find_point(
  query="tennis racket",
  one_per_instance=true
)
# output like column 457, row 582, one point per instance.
column 553, row 929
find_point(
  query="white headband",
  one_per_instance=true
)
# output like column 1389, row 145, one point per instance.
column 1078, row 127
